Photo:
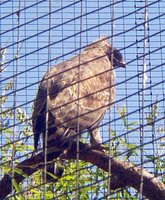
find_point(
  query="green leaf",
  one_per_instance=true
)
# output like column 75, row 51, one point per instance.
column 113, row 133
column 17, row 170
column 123, row 113
column 9, row 85
column 6, row 130
column 18, row 189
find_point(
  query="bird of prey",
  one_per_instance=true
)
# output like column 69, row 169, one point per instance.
column 74, row 96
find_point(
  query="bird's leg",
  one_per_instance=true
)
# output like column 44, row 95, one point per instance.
column 96, row 140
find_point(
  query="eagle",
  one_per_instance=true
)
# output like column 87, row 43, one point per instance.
column 73, row 96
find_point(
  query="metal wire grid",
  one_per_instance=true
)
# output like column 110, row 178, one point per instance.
column 25, row 41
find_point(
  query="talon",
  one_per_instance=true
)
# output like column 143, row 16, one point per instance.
column 98, row 146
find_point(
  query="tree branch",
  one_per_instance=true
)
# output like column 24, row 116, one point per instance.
column 123, row 174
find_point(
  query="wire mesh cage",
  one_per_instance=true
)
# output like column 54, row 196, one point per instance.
column 43, row 36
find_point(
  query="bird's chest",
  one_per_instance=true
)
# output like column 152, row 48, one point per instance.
column 85, row 101
column 99, row 89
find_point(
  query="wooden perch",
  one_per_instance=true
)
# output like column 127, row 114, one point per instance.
column 123, row 174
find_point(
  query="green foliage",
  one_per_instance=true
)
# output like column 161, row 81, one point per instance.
column 119, row 142
column 123, row 114
column 152, row 114
column 2, row 59
column 157, row 129
column 19, row 146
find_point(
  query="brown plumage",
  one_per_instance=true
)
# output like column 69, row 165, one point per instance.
column 84, row 86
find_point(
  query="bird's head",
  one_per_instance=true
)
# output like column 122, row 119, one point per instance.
column 118, row 60
column 114, row 55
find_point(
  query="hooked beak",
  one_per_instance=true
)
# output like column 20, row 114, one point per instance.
column 122, row 64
